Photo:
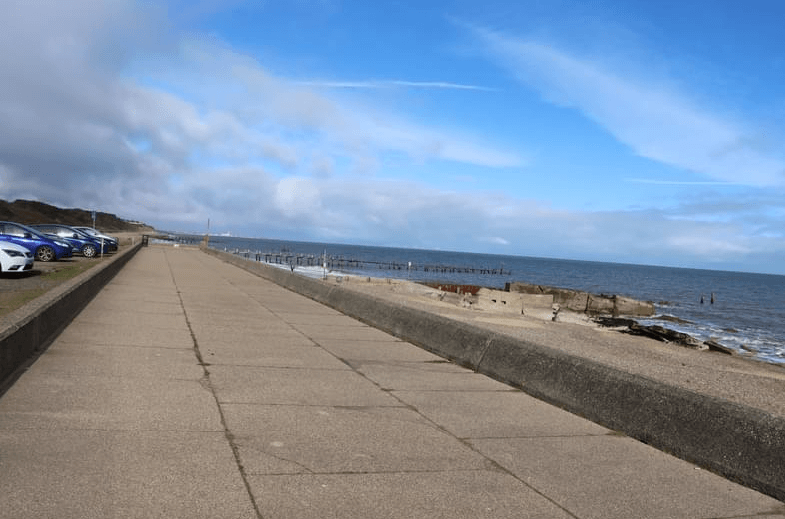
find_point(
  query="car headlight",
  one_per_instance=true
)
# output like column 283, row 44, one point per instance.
column 13, row 253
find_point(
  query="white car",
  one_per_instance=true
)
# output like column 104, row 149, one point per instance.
column 14, row 258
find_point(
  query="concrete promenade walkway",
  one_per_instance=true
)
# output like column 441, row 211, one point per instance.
column 189, row 388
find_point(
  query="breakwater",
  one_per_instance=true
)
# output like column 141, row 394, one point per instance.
column 358, row 264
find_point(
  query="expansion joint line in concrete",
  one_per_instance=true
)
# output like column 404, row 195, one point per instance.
column 464, row 441
column 485, row 349
column 227, row 433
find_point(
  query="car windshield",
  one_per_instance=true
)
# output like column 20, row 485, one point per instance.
column 95, row 234
column 44, row 229
column 62, row 232
column 67, row 232
column 20, row 231
column 82, row 234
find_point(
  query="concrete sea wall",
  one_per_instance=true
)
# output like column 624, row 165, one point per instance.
column 741, row 443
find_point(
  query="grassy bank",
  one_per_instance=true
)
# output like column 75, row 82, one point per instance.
column 16, row 290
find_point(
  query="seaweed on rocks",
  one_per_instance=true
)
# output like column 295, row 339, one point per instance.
column 665, row 335
column 614, row 322
column 656, row 332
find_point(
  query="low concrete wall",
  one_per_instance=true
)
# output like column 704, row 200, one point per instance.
column 27, row 331
column 741, row 443
column 511, row 302
column 579, row 301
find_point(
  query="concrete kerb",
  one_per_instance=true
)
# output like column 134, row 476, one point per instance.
column 738, row 442
column 27, row 331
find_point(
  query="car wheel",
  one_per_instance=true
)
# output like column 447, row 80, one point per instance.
column 45, row 253
column 89, row 251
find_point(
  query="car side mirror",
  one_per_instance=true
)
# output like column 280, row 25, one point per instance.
column 28, row 235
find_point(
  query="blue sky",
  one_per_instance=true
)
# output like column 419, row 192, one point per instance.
column 636, row 132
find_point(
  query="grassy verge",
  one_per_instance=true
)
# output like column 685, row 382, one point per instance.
column 22, row 290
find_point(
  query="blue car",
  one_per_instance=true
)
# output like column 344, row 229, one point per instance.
column 98, row 235
column 45, row 248
column 80, row 242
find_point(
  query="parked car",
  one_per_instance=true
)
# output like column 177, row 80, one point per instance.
column 44, row 248
column 111, row 240
column 15, row 258
column 81, row 243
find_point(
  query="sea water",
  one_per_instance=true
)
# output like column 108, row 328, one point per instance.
column 747, row 312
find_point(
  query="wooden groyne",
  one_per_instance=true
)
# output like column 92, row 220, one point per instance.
column 344, row 263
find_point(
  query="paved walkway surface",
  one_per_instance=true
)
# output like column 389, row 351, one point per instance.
column 189, row 388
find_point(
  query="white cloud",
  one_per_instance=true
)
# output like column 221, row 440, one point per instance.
column 680, row 182
column 496, row 240
column 100, row 95
column 297, row 197
column 393, row 83
column 353, row 126
column 398, row 213
column 717, row 248
column 656, row 121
